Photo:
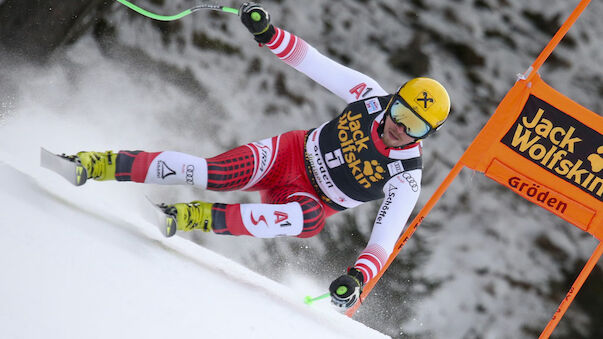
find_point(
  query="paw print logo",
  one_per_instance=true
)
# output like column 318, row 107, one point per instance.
column 596, row 160
column 373, row 170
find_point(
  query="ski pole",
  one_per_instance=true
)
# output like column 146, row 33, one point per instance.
column 180, row 15
column 309, row 300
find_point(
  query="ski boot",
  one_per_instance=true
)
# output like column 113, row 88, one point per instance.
column 80, row 167
column 97, row 165
column 187, row 217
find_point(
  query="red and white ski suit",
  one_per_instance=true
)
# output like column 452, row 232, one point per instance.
column 305, row 176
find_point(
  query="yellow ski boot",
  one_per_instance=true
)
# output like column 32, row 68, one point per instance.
column 187, row 217
column 98, row 165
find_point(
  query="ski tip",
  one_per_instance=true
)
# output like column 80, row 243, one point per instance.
column 165, row 222
column 170, row 226
column 69, row 167
column 81, row 175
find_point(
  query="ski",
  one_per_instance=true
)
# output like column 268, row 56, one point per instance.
column 69, row 167
column 164, row 221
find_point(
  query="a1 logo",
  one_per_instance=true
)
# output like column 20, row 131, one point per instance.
column 281, row 219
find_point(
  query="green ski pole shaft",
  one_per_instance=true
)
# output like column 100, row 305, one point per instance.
column 309, row 300
column 178, row 16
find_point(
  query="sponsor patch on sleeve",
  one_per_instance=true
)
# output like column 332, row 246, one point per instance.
column 395, row 168
column 373, row 105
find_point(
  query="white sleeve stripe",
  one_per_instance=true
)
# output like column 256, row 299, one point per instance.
column 376, row 251
column 278, row 49
column 374, row 257
column 368, row 264
column 372, row 260
column 290, row 48
column 279, row 32
column 298, row 54
column 366, row 273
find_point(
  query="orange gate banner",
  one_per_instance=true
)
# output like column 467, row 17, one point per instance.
column 548, row 149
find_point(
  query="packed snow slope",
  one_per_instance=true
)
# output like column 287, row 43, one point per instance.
column 79, row 264
column 485, row 263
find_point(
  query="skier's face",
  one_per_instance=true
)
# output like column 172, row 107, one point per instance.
column 395, row 135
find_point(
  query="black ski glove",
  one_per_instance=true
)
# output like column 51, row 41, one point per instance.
column 346, row 290
column 257, row 21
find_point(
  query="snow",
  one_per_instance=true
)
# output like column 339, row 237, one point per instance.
column 456, row 278
column 80, row 264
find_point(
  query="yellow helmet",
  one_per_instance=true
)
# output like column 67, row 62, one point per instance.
column 429, row 106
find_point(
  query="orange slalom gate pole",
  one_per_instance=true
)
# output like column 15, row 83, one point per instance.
column 410, row 231
column 546, row 52
column 590, row 264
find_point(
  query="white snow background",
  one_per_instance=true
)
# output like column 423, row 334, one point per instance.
column 487, row 264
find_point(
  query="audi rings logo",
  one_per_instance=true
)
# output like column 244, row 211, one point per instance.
column 190, row 171
column 414, row 186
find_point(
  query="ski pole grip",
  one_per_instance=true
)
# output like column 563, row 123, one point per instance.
column 255, row 16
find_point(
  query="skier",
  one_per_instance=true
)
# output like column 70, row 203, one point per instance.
column 372, row 150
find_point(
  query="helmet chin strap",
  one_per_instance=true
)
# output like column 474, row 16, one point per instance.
column 402, row 146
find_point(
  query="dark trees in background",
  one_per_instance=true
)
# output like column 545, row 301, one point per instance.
column 33, row 29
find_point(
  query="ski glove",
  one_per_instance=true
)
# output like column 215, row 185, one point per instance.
column 346, row 290
column 257, row 21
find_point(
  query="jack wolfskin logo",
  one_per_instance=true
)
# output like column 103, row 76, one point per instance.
column 560, row 144
column 373, row 170
column 596, row 161
column 163, row 170
column 353, row 141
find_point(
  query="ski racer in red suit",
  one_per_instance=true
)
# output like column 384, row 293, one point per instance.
column 372, row 150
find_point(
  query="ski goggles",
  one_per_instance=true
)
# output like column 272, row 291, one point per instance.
column 403, row 115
